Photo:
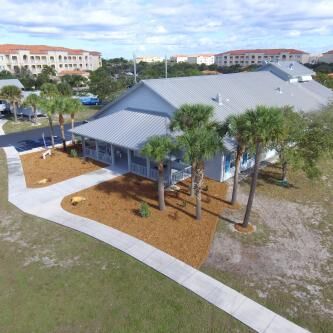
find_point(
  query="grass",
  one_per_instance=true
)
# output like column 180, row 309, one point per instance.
column 24, row 124
column 53, row 279
column 280, row 296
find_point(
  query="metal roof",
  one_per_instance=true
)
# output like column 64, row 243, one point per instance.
column 128, row 128
column 292, row 69
column 11, row 82
column 241, row 91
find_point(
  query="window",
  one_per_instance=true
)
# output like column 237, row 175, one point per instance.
column 25, row 57
column 60, row 57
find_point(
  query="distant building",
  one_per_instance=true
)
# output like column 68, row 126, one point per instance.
column 203, row 58
column 259, row 56
column 149, row 59
column 35, row 57
column 74, row 72
column 327, row 57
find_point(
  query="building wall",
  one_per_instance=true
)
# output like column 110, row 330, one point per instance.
column 327, row 58
column 141, row 98
column 213, row 168
column 246, row 59
column 59, row 60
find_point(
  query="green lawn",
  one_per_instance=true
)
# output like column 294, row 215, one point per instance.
column 24, row 124
column 53, row 279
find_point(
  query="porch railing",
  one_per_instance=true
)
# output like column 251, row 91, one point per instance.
column 138, row 169
column 103, row 157
column 181, row 175
column 90, row 153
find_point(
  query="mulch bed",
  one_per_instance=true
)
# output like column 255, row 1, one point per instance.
column 116, row 203
column 55, row 168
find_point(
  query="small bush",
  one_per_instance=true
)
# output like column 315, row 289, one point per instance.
column 144, row 210
column 74, row 153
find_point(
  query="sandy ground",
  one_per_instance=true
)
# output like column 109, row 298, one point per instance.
column 55, row 168
column 174, row 230
column 288, row 251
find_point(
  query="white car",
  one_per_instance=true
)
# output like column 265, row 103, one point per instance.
column 3, row 106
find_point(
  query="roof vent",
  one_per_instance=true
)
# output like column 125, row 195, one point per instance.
column 279, row 90
column 291, row 66
column 219, row 99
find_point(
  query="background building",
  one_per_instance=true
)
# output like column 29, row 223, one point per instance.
column 258, row 56
column 327, row 57
column 207, row 59
column 149, row 59
column 179, row 58
column 35, row 57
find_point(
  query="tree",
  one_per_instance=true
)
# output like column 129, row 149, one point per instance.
column 12, row 95
column 26, row 77
column 49, row 90
column 46, row 76
column 6, row 75
column 236, row 127
column 60, row 106
column 157, row 148
column 264, row 125
column 65, row 89
column 101, row 83
column 200, row 144
column 33, row 101
column 189, row 117
column 73, row 106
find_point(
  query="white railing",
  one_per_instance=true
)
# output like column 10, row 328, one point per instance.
column 139, row 169
column 90, row 153
column 105, row 157
column 181, row 175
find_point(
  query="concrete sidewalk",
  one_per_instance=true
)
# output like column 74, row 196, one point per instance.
column 2, row 122
column 45, row 203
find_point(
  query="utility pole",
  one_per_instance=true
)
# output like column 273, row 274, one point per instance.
column 166, row 67
column 134, row 63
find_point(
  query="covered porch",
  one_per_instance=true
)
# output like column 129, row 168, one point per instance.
column 175, row 170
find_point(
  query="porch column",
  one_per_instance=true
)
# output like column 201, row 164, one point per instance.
column 148, row 166
column 83, row 140
column 129, row 159
column 112, row 155
column 96, row 148
column 169, row 171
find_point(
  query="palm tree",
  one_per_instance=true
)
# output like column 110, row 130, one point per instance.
column 157, row 149
column 200, row 144
column 60, row 104
column 73, row 106
column 189, row 117
column 33, row 101
column 236, row 127
column 264, row 125
column 13, row 96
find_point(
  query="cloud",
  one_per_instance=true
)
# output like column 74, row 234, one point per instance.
column 180, row 25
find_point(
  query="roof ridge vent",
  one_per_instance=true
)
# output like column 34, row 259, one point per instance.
column 219, row 99
column 291, row 66
column 279, row 90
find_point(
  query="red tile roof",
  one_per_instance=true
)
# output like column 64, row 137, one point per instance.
column 266, row 51
column 329, row 52
column 40, row 49
column 74, row 72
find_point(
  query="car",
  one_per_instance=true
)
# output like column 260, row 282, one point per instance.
column 3, row 106
column 89, row 100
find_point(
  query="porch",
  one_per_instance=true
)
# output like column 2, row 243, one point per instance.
column 175, row 170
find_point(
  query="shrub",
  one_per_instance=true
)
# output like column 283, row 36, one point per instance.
column 74, row 153
column 144, row 210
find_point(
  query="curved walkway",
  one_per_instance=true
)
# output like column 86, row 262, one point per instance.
column 45, row 203
column 2, row 122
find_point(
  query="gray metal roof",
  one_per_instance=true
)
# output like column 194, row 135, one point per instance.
column 292, row 69
column 241, row 91
column 128, row 128
column 11, row 82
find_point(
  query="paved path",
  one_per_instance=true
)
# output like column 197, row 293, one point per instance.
column 2, row 122
column 45, row 203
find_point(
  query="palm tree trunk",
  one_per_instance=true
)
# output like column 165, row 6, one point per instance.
column 34, row 110
column 62, row 129
column 51, row 129
column 72, row 120
column 161, row 200
column 236, row 175
column 284, row 171
column 192, row 180
column 199, row 174
column 253, row 186
column 15, row 113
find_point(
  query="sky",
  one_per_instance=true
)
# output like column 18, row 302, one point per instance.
column 149, row 27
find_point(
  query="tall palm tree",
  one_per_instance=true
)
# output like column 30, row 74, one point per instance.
column 13, row 96
column 73, row 106
column 200, row 144
column 33, row 101
column 157, row 148
column 49, row 108
column 60, row 104
column 236, row 127
column 264, row 125
column 189, row 117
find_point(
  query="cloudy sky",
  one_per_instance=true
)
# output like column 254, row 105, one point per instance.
column 119, row 28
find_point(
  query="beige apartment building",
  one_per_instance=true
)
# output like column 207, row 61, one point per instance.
column 149, row 59
column 327, row 57
column 35, row 57
column 204, row 58
column 259, row 56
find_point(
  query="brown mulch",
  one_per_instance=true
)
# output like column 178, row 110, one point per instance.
column 55, row 168
column 176, row 231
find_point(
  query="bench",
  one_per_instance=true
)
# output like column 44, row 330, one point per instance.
column 47, row 153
